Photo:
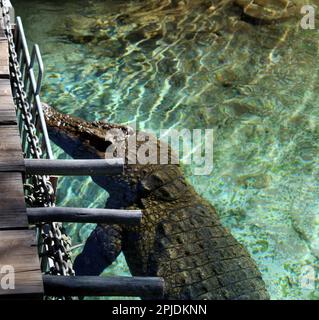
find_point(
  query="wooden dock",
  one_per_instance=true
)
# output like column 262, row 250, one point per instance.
column 18, row 248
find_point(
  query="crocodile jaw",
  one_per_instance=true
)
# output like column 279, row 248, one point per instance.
column 90, row 140
column 81, row 139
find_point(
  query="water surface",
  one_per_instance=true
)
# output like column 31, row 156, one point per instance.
column 197, row 67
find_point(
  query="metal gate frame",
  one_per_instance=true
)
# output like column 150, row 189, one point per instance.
column 32, row 70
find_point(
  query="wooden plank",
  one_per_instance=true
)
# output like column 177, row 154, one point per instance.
column 4, row 53
column 90, row 167
column 7, row 116
column 4, row 72
column 12, row 204
column 148, row 287
column 18, row 250
column 4, row 57
column 5, row 88
column 11, row 156
column 7, row 107
column 2, row 32
column 84, row 215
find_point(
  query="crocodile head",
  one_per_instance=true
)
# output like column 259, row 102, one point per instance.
column 92, row 140
column 82, row 139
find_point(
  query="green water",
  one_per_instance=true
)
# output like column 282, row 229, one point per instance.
column 256, row 86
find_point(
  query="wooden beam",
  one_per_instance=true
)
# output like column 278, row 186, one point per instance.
column 7, row 108
column 12, row 204
column 11, row 156
column 18, row 249
column 4, row 57
column 100, row 167
column 83, row 215
column 148, row 287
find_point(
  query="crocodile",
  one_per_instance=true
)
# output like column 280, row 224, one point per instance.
column 180, row 238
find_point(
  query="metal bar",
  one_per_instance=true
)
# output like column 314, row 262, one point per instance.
column 35, row 83
column 84, row 215
column 89, row 167
column 24, row 68
column 37, row 55
column 23, row 41
column 44, row 127
column 148, row 287
column 16, row 38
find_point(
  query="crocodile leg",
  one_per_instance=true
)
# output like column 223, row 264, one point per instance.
column 101, row 249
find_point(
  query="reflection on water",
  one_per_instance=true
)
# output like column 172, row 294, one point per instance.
column 171, row 64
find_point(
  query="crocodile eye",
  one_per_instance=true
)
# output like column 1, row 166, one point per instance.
column 165, row 194
column 152, row 182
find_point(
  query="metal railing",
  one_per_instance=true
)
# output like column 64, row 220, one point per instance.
column 32, row 74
